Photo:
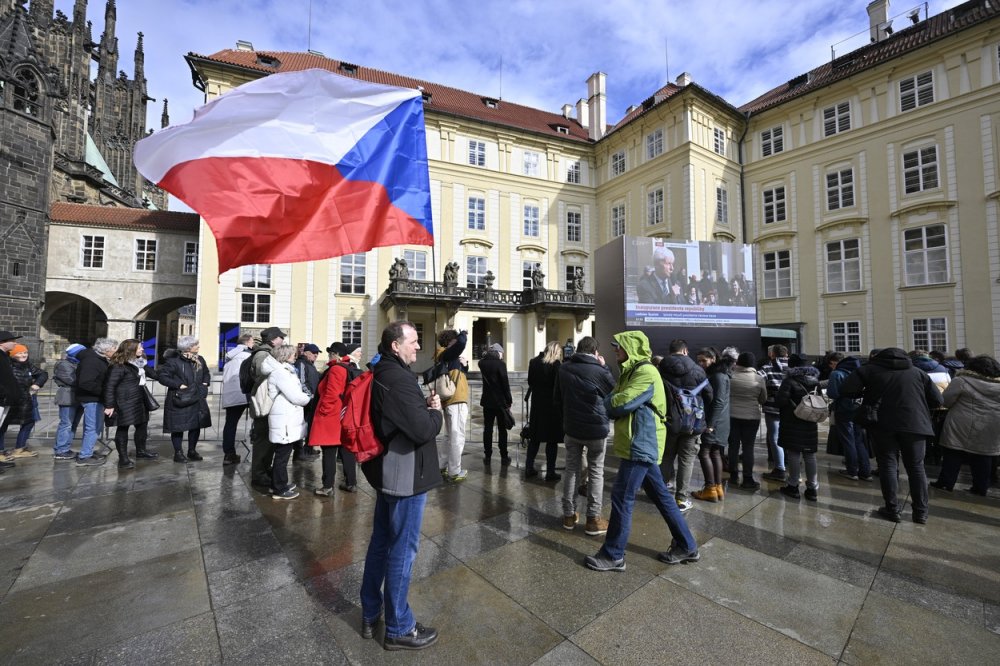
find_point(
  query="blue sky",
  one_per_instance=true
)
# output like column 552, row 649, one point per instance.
column 548, row 49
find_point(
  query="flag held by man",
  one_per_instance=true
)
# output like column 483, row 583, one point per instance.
column 300, row 166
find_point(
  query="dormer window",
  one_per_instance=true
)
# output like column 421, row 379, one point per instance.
column 427, row 97
column 491, row 103
column 348, row 68
column 268, row 61
column 562, row 129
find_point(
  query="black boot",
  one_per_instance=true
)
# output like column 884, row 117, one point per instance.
column 194, row 455
column 123, row 460
column 142, row 454
column 179, row 457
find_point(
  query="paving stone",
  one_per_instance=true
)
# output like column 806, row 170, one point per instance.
column 264, row 618
column 918, row 593
column 834, row 565
column 190, row 642
column 312, row 644
column 566, row 654
column 249, row 580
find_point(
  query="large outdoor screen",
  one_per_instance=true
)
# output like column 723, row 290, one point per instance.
column 689, row 283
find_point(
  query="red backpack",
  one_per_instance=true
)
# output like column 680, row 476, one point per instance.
column 357, row 431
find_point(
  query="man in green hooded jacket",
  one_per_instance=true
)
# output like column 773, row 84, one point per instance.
column 638, row 405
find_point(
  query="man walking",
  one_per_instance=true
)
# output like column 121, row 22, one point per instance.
column 639, row 406
column 407, row 424
column 581, row 386
column 262, row 364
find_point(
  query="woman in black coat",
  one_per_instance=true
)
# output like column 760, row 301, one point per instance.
column 546, row 421
column 125, row 400
column 186, row 375
column 495, row 401
column 795, row 435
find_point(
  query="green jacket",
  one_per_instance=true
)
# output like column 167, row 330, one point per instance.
column 638, row 403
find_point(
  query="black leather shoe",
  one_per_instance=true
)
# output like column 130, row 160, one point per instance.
column 194, row 455
column 419, row 638
column 231, row 459
column 368, row 628
column 889, row 514
column 180, row 457
column 530, row 472
column 146, row 455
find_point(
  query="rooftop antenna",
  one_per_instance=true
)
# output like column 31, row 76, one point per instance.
column 666, row 59
column 309, row 29
column 501, row 77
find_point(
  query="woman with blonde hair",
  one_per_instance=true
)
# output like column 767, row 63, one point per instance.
column 546, row 423
column 286, row 422
column 125, row 402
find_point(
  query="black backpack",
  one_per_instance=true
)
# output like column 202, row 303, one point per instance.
column 246, row 375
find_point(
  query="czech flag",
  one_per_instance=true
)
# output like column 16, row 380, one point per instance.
column 300, row 166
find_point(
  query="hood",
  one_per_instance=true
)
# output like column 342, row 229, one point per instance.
column 635, row 344
column 583, row 358
column 927, row 364
column 235, row 351
column 806, row 375
column 171, row 353
column 849, row 364
column 893, row 358
column 677, row 365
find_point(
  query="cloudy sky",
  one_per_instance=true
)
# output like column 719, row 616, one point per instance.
column 547, row 48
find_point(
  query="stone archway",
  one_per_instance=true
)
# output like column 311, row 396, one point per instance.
column 69, row 318
column 165, row 311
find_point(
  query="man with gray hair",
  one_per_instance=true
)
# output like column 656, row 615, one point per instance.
column 90, row 374
column 660, row 286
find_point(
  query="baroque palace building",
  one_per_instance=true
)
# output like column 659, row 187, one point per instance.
column 867, row 186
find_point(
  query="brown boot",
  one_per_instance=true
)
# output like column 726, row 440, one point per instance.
column 596, row 526
column 707, row 494
column 720, row 491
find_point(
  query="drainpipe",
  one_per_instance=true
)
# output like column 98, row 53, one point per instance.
column 743, row 198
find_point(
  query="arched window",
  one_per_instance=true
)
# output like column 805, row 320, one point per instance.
column 27, row 96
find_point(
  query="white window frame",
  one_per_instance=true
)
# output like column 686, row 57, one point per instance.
column 846, row 336
column 925, row 255
column 353, row 268
column 477, row 213
column 920, row 169
column 774, row 204
column 777, row 274
column 92, row 249
column 145, row 258
column 475, row 272
column 530, row 163
column 190, row 257
column 843, row 265
column 618, row 220
column 772, row 141
column 836, row 119
column 721, row 204
column 416, row 263
column 719, row 140
column 531, row 220
column 352, row 331
column 477, row 153
column 930, row 333
column 618, row 163
column 654, row 206
column 574, row 226
column 255, row 276
column 259, row 305
column 654, row 143
column 570, row 274
column 840, row 189
column 574, row 172
column 916, row 91
column 526, row 269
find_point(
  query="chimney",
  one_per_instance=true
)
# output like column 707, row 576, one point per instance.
column 582, row 116
column 683, row 79
column 597, row 102
column 567, row 110
column 630, row 109
column 878, row 16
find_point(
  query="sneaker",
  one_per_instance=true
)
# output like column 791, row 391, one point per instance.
column 596, row 526
column 847, row 475
column 939, row 485
column 569, row 522
column 458, row 478
column 684, row 505
column 677, row 556
column 288, row 494
column 92, row 461
column 553, row 477
column 889, row 514
column 750, row 484
column 864, row 477
column 444, row 472
column 231, row 459
column 790, row 491
column 25, row 453
column 68, row 455
column 6, row 456
column 324, row 492
column 811, row 494
column 776, row 474
column 599, row 562
column 6, row 463
column 348, row 489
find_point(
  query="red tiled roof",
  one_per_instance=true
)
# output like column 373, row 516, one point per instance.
column 934, row 28
column 663, row 94
column 444, row 99
column 124, row 218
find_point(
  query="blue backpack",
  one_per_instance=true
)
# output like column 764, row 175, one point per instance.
column 686, row 410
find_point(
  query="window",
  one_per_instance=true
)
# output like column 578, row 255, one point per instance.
column 573, row 172
column 920, row 169
column 654, row 144
column 477, row 213
column 255, row 308
column 477, row 153
column 145, row 254
column 721, row 204
column 847, row 336
column 530, row 163
column 930, row 333
column 526, row 268
column 618, row 163
column 350, row 332
column 778, row 274
column 654, row 206
column 419, row 328
column 720, row 141
column 840, row 189
column 416, row 262
column 475, row 272
column 926, row 255
column 837, row 119
column 256, row 277
column 916, row 91
column 92, row 251
column 618, row 220
column 26, row 93
column 772, row 141
column 571, row 270
column 352, row 274
column 530, row 220
column 774, row 205
column 190, row 257
column 843, row 265
column 574, row 226
column 15, row 269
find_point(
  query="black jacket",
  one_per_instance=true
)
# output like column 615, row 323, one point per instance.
column 796, row 434
column 682, row 372
column 22, row 409
column 90, row 374
column 581, row 386
column 123, row 393
column 496, row 386
column 174, row 372
column 407, row 428
column 8, row 384
column 904, row 393
column 546, row 422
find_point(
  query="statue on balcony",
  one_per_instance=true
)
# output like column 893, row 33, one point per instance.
column 489, row 279
column 578, row 279
column 404, row 270
column 394, row 270
column 537, row 278
column 451, row 274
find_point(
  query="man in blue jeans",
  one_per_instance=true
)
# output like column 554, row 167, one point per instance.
column 639, row 406
column 774, row 372
column 90, row 373
column 407, row 424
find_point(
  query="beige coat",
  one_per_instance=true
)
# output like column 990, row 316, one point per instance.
column 747, row 393
column 973, row 420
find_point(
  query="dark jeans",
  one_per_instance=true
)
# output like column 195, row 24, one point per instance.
column 911, row 447
column 489, row 417
column 261, row 454
column 551, row 450
column 279, row 470
column 233, row 416
column 852, row 439
column 979, row 465
column 742, row 435
column 176, row 439
column 141, row 434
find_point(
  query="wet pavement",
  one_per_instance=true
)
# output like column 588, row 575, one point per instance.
column 186, row 564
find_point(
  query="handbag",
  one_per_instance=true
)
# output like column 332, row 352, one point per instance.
column 444, row 385
column 867, row 414
column 508, row 418
column 814, row 407
column 185, row 397
column 149, row 401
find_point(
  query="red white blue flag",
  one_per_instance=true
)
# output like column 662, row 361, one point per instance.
column 300, row 166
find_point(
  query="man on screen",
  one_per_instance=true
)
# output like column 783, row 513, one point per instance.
column 660, row 286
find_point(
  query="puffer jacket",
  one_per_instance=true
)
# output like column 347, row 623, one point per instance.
column 796, row 434
column 904, row 394
column 232, row 396
column 64, row 376
column 747, row 393
column 638, row 403
column 681, row 371
column 937, row 372
column 177, row 371
column 973, row 420
column 581, row 386
column 286, row 422
column 450, row 356
column 22, row 408
column 717, row 410
column 90, row 374
column 842, row 407
column 123, row 393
